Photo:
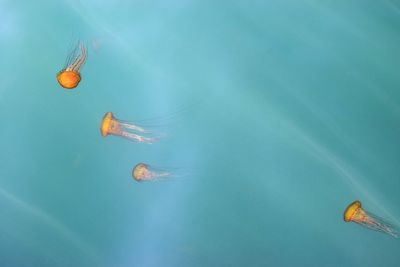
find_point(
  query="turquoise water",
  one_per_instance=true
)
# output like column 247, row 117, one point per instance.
column 280, row 112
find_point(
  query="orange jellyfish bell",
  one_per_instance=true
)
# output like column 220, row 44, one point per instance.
column 69, row 77
column 352, row 211
column 106, row 123
column 140, row 172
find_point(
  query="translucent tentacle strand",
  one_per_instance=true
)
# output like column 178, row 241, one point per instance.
column 376, row 223
column 80, row 60
column 137, row 137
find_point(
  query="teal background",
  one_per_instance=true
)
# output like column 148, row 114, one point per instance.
column 282, row 112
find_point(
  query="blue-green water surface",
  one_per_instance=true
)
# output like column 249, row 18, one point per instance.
column 280, row 112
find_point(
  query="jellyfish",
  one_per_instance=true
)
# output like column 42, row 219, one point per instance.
column 110, row 125
column 69, row 77
column 144, row 172
column 355, row 213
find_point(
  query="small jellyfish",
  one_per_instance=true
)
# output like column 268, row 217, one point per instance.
column 69, row 77
column 144, row 172
column 355, row 213
column 110, row 125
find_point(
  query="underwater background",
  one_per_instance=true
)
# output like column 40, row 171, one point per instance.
column 280, row 113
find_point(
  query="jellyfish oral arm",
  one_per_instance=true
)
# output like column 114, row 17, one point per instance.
column 373, row 222
column 80, row 60
column 137, row 137
column 153, row 176
column 160, row 174
column 377, row 226
column 133, row 127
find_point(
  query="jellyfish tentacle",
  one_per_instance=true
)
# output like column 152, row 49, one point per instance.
column 69, row 61
column 376, row 226
column 152, row 176
column 75, row 66
column 79, row 59
column 382, row 225
column 133, row 127
column 376, row 223
column 78, row 63
column 159, row 174
column 71, row 58
column 137, row 137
